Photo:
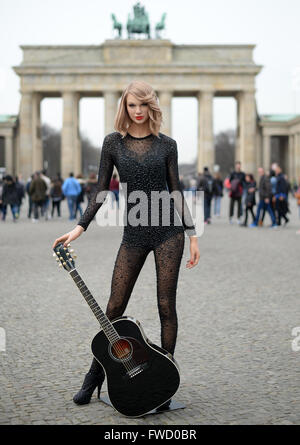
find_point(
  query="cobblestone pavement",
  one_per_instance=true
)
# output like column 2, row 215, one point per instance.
column 236, row 313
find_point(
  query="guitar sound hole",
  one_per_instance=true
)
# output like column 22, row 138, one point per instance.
column 121, row 349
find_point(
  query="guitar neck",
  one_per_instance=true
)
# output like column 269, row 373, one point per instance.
column 105, row 324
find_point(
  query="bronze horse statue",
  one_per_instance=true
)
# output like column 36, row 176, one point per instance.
column 140, row 23
column 160, row 25
column 117, row 25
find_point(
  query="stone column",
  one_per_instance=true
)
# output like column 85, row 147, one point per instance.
column 266, row 152
column 237, row 153
column 165, row 104
column 259, row 151
column 111, row 105
column 26, row 137
column 206, row 149
column 37, row 146
column 70, row 141
column 291, row 157
column 247, row 130
column 297, row 156
column 9, row 155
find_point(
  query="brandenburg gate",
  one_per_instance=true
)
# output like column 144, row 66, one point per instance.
column 73, row 72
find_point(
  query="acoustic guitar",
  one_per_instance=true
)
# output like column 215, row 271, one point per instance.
column 141, row 376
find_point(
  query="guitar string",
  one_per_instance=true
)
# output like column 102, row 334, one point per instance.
column 119, row 349
column 98, row 313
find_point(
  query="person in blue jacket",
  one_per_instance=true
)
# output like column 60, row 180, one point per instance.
column 71, row 189
column 281, row 196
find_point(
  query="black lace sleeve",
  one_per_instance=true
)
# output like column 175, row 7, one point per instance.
column 173, row 184
column 104, row 175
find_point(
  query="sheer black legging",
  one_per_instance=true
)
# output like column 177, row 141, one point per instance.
column 128, row 264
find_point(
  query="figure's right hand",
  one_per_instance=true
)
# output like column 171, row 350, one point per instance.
column 68, row 237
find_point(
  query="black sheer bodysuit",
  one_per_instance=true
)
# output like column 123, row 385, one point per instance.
column 145, row 164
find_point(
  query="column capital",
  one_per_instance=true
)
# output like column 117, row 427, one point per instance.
column 242, row 93
column 25, row 92
column 166, row 92
column 207, row 90
column 69, row 93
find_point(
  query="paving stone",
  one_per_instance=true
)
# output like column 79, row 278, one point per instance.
column 236, row 311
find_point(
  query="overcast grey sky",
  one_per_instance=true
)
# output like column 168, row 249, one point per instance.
column 273, row 25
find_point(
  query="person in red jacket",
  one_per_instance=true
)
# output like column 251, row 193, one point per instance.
column 114, row 187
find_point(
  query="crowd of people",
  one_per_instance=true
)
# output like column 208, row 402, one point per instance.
column 44, row 192
column 273, row 190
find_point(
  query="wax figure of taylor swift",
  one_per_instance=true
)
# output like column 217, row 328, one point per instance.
column 146, row 160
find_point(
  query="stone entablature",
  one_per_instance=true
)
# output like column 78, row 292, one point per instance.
column 71, row 72
column 127, row 52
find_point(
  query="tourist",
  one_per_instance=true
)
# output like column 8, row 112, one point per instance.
column 206, row 184
column 71, row 189
column 21, row 193
column 250, row 201
column 57, row 196
column 114, row 187
column 281, row 196
column 10, row 198
column 38, row 190
column 297, row 196
column 47, row 196
column 217, row 194
column 264, row 190
column 91, row 185
column 80, row 197
column 1, row 191
column 181, row 183
column 237, row 180
column 30, row 203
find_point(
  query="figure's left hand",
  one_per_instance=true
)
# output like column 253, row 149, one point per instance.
column 194, row 254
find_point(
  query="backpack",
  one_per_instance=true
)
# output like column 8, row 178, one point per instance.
column 236, row 188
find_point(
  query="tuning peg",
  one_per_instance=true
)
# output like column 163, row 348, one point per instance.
column 69, row 245
column 60, row 265
column 71, row 250
column 74, row 256
column 57, row 259
column 54, row 254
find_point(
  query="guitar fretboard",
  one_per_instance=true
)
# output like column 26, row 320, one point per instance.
column 105, row 324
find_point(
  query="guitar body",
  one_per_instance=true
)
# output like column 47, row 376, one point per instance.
column 140, row 375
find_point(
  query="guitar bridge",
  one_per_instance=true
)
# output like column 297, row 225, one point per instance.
column 135, row 371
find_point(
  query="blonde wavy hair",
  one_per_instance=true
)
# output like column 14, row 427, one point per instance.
column 143, row 92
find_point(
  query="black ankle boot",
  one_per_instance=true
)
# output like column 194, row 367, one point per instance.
column 94, row 378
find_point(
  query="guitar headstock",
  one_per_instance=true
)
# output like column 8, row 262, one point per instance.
column 64, row 256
